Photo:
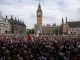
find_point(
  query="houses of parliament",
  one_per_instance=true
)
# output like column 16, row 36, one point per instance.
column 68, row 27
column 15, row 26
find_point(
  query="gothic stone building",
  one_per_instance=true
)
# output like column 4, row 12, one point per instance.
column 71, row 28
column 17, row 27
column 39, row 29
column 4, row 25
column 12, row 26
column 65, row 28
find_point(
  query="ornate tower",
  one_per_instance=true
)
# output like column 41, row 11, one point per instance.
column 39, row 19
column 66, row 23
column 62, row 25
column 39, row 16
column 66, row 26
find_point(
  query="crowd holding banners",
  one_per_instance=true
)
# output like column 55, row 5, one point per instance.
column 49, row 47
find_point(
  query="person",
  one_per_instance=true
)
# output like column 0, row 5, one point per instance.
column 41, row 48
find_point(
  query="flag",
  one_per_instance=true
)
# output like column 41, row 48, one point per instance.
column 28, row 37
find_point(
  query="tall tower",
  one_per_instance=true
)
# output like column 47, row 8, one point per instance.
column 39, row 16
column 39, row 19
column 62, row 25
column 62, row 22
column 66, row 26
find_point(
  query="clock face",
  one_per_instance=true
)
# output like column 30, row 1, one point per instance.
column 39, row 13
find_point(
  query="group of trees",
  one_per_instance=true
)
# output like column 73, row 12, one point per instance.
column 30, row 31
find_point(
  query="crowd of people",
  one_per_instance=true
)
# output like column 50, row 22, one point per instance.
column 51, row 47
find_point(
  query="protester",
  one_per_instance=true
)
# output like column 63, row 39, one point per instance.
column 61, row 47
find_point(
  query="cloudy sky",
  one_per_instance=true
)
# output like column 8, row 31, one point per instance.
column 53, row 10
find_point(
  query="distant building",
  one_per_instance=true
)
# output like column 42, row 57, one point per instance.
column 48, row 30
column 17, row 27
column 65, row 28
column 4, row 25
column 71, row 28
column 12, row 26
column 39, row 29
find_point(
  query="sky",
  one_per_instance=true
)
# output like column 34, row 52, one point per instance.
column 53, row 10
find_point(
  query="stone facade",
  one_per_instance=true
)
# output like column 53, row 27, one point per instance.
column 71, row 28
column 12, row 26
column 16, row 26
column 4, row 25
column 39, row 20
column 39, row 29
column 48, row 30
column 64, row 28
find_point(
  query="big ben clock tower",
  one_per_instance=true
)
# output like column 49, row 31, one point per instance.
column 39, row 16
column 39, row 19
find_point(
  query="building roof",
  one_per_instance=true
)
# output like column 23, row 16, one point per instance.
column 74, row 24
column 12, row 21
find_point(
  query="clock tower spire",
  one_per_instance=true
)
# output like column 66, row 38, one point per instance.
column 39, row 7
column 39, row 15
column 39, row 19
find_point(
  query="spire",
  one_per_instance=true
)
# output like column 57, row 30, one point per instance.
column 6, row 17
column 15, row 18
column 18, row 19
column 39, row 6
column 66, row 20
column 62, row 25
column 66, row 26
column 0, row 14
column 12, row 17
column 62, row 21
